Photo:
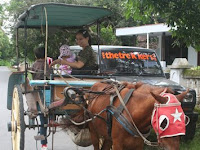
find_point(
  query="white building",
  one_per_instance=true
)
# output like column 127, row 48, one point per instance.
column 166, row 51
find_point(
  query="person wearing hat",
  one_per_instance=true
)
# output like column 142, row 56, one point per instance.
column 67, row 55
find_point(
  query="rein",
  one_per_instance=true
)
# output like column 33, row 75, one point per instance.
column 131, row 128
column 140, row 134
column 68, row 75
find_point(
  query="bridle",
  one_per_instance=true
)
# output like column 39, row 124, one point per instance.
column 168, row 119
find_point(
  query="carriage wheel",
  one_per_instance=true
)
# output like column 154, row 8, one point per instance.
column 17, row 119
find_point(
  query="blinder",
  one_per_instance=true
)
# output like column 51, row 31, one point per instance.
column 168, row 119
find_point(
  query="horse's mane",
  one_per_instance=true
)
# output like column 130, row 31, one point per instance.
column 143, row 87
column 132, row 85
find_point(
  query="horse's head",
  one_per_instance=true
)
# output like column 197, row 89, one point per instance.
column 168, row 119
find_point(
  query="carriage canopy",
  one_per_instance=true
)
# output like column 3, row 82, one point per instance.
column 61, row 15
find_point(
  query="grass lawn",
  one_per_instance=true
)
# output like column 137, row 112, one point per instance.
column 195, row 143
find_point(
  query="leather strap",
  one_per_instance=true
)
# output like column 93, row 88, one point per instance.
column 126, row 99
column 119, row 109
column 122, row 120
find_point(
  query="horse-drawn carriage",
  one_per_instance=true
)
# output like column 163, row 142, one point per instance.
column 21, row 91
column 90, row 95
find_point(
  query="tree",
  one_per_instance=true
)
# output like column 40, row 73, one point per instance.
column 5, row 45
column 59, row 37
column 1, row 15
column 6, row 54
column 182, row 15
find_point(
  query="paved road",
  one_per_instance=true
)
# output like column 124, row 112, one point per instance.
column 61, row 139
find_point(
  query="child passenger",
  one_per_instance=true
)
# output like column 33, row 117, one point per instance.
column 65, row 54
column 38, row 68
column 38, row 65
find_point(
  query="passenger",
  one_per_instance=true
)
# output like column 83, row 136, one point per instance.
column 65, row 54
column 86, row 60
column 38, row 65
column 38, row 68
column 49, row 60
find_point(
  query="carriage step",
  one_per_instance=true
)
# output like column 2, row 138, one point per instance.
column 39, row 137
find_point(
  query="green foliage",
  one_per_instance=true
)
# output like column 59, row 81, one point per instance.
column 194, row 143
column 58, row 37
column 6, row 62
column 182, row 15
column 36, row 38
column 5, row 47
column 108, row 37
column 192, row 72
column 1, row 15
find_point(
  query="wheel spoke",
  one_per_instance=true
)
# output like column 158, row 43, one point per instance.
column 18, row 138
column 17, row 120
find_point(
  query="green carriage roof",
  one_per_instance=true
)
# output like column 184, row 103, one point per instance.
column 61, row 15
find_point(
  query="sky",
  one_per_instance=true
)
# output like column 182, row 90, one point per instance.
column 4, row 1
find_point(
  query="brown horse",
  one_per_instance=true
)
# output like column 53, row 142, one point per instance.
column 140, row 106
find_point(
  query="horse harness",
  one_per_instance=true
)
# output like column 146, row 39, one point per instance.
column 113, row 89
column 112, row 111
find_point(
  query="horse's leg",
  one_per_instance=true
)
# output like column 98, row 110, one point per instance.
column 94, row 137
column 123, row 143
column 107, row 145
column 117, row 146
column 126, row 142
column 95, row 141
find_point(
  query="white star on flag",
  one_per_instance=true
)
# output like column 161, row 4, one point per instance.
column 177, row 115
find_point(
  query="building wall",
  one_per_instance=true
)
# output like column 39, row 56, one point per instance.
column 158, row 50
column 192, row 56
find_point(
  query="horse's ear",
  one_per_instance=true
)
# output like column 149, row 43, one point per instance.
column 138, row 84
column 181, row 96
column 160, row 99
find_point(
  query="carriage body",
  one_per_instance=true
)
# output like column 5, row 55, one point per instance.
column 22, row 96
